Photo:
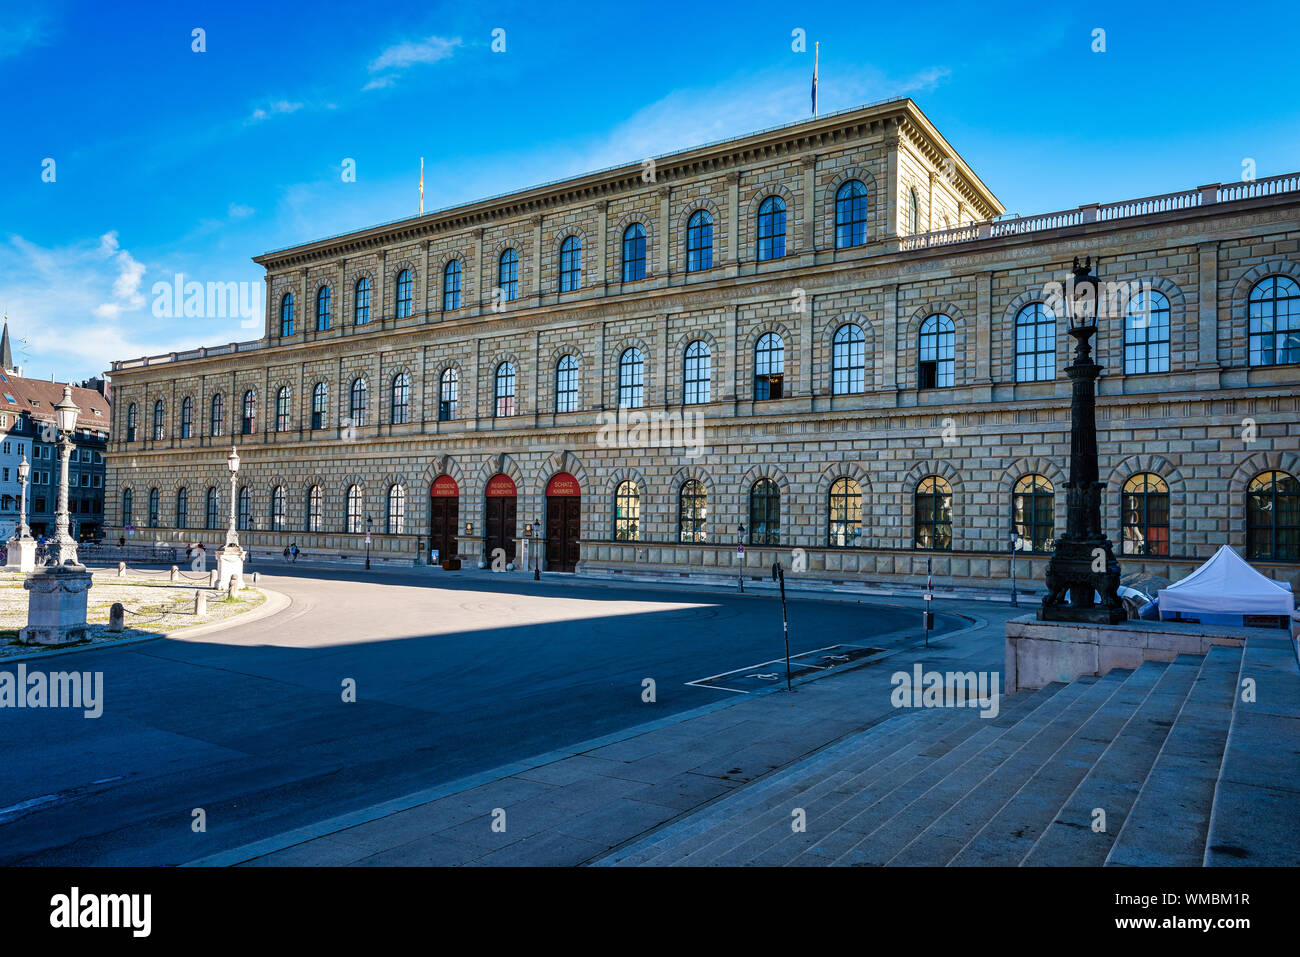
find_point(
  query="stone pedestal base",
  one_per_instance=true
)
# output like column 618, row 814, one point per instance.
column 230, row 564
column 56, row 606
column 21, row 554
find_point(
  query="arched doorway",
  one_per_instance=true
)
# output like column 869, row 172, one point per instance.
column 499, row 530
column 563, row 522
column 444, row 516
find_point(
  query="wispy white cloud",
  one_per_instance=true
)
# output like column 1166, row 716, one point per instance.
column 400, row 56
column 274, row 108
column 23, row 32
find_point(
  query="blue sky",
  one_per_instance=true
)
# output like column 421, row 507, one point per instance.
column 167, row 160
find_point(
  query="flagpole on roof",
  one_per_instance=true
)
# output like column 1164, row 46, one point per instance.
column 816, row 54
column 421, row 185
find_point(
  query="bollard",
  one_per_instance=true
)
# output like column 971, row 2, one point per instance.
column 121, row 569
column 254, row 578
column 116, row 617
column 212, row 578
column 175, row 575
column 200, row 604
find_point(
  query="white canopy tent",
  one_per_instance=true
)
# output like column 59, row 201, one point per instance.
column 1223, row 590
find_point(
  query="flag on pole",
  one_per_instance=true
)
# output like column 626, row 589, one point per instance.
column 816, row 52
column 421, row 185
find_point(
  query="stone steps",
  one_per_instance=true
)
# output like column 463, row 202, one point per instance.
column 1185, row 770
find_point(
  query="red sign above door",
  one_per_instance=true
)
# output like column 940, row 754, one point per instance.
column 501, row 486
column 562, row 483
column 444, row 487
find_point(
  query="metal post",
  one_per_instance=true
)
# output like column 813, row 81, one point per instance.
column 779, row 574
column 369, row 522
column 1015, row 539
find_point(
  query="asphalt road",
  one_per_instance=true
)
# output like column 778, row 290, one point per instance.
column 453, row 675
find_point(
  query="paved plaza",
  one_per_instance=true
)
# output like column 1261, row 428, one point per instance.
column 475, row 694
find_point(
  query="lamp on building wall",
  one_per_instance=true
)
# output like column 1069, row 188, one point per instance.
column 1083, row 563
column 469, row 528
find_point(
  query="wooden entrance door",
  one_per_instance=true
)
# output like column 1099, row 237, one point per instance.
column 563, row 524
column 444, row 516
column 499, row 530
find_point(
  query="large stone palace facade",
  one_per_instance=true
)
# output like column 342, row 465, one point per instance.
column 824, row 341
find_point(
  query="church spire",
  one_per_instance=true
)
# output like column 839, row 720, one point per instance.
column 6, row 354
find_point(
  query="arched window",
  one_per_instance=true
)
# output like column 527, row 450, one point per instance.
column 153, row 507
column 936, row 353
column 323, row 309
column 451, row 285
column 361, row 303
column 1033, row 513
column 848, row 360
column 634, row 253
column 1035, row 344
column 844, row 512
column 696, row 373
column 282, row 409
column 132, row 415
column 631, row 379
column 765, row 513
column 508, row 275
column 315, row 522
column 933, row 512
column 771, row 229
column 850, row 215
column 447, row 393
column 250, row 412
column 566, row 385
column 128, row 503
column 319, row 403
column 769, row 367
column 353, row 510
column 396, row 510
column 1273, row 517
column 1146, row 334
column 699, row 241
column 505, row 389
column 913, row 213
column 187, row 417
column 404, row 285
column 1144, row 513
column 286, row 315
column 570, row 264
column 359, row 397
column 182, row 508
column 217, row 418
column 211, row 513
column 243, row 509
column 159, row 413
column 277, row 509
column 400, row 414
column 1274, row 310
column 627, row 513
column 692, row 512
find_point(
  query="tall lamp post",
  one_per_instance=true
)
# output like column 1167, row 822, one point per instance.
column 1083, row 564
column 369, row 523
column 1013, row 543
column 230, row 560
column 56, row 605
column 20, row 551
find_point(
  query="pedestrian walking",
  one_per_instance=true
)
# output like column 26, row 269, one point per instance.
column 286, row 553
column 293, row 548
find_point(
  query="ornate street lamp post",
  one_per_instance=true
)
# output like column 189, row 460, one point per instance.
column 230, row 560
column 1083, row 563
column 369, row 523
column 65, row 420
column 56, row 605
column 20, row 551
